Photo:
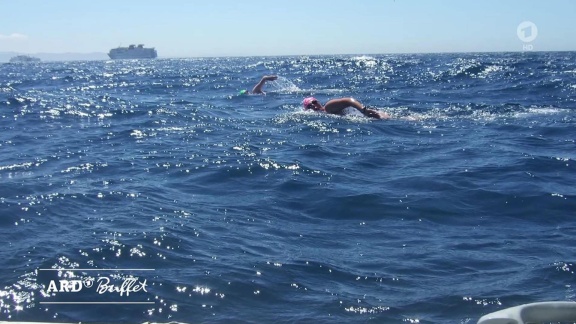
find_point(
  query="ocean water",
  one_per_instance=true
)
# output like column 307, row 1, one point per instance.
column 149, row 191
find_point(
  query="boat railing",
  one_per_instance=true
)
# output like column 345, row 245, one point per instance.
column 543, row 312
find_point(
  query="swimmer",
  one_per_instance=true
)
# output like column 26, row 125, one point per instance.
column 258, row 87
column 337, row 106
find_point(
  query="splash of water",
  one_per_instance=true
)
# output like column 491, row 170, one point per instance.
column 283, row 85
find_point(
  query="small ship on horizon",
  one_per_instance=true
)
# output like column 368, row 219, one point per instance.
column 133, row 52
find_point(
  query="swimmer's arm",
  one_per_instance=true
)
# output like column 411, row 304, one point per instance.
column 258, row 88
column 366, row 111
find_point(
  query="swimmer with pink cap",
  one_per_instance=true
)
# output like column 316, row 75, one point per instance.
column 312, row 103
column 337, row 106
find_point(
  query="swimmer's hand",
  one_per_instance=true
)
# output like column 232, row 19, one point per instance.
column 269, row 77
column 375, row 114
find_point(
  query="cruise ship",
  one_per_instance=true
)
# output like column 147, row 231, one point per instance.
column 24, row 59
column 132, row 52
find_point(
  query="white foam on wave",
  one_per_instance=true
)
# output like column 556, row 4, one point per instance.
column 24, row 165
column 535, row 111
column 136, row 133
column 489, row 70
column 363, row 58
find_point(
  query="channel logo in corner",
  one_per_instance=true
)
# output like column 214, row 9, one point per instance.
column 527, row 31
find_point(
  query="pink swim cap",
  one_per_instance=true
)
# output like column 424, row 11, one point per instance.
column 307, row 101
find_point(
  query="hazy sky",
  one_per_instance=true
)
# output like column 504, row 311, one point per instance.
column 190, row 28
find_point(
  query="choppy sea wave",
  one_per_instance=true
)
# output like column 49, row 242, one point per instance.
column 247, row 209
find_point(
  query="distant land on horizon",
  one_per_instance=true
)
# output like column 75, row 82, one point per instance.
column 48, row 57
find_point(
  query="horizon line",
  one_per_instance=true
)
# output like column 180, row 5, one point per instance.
column 286, row 55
